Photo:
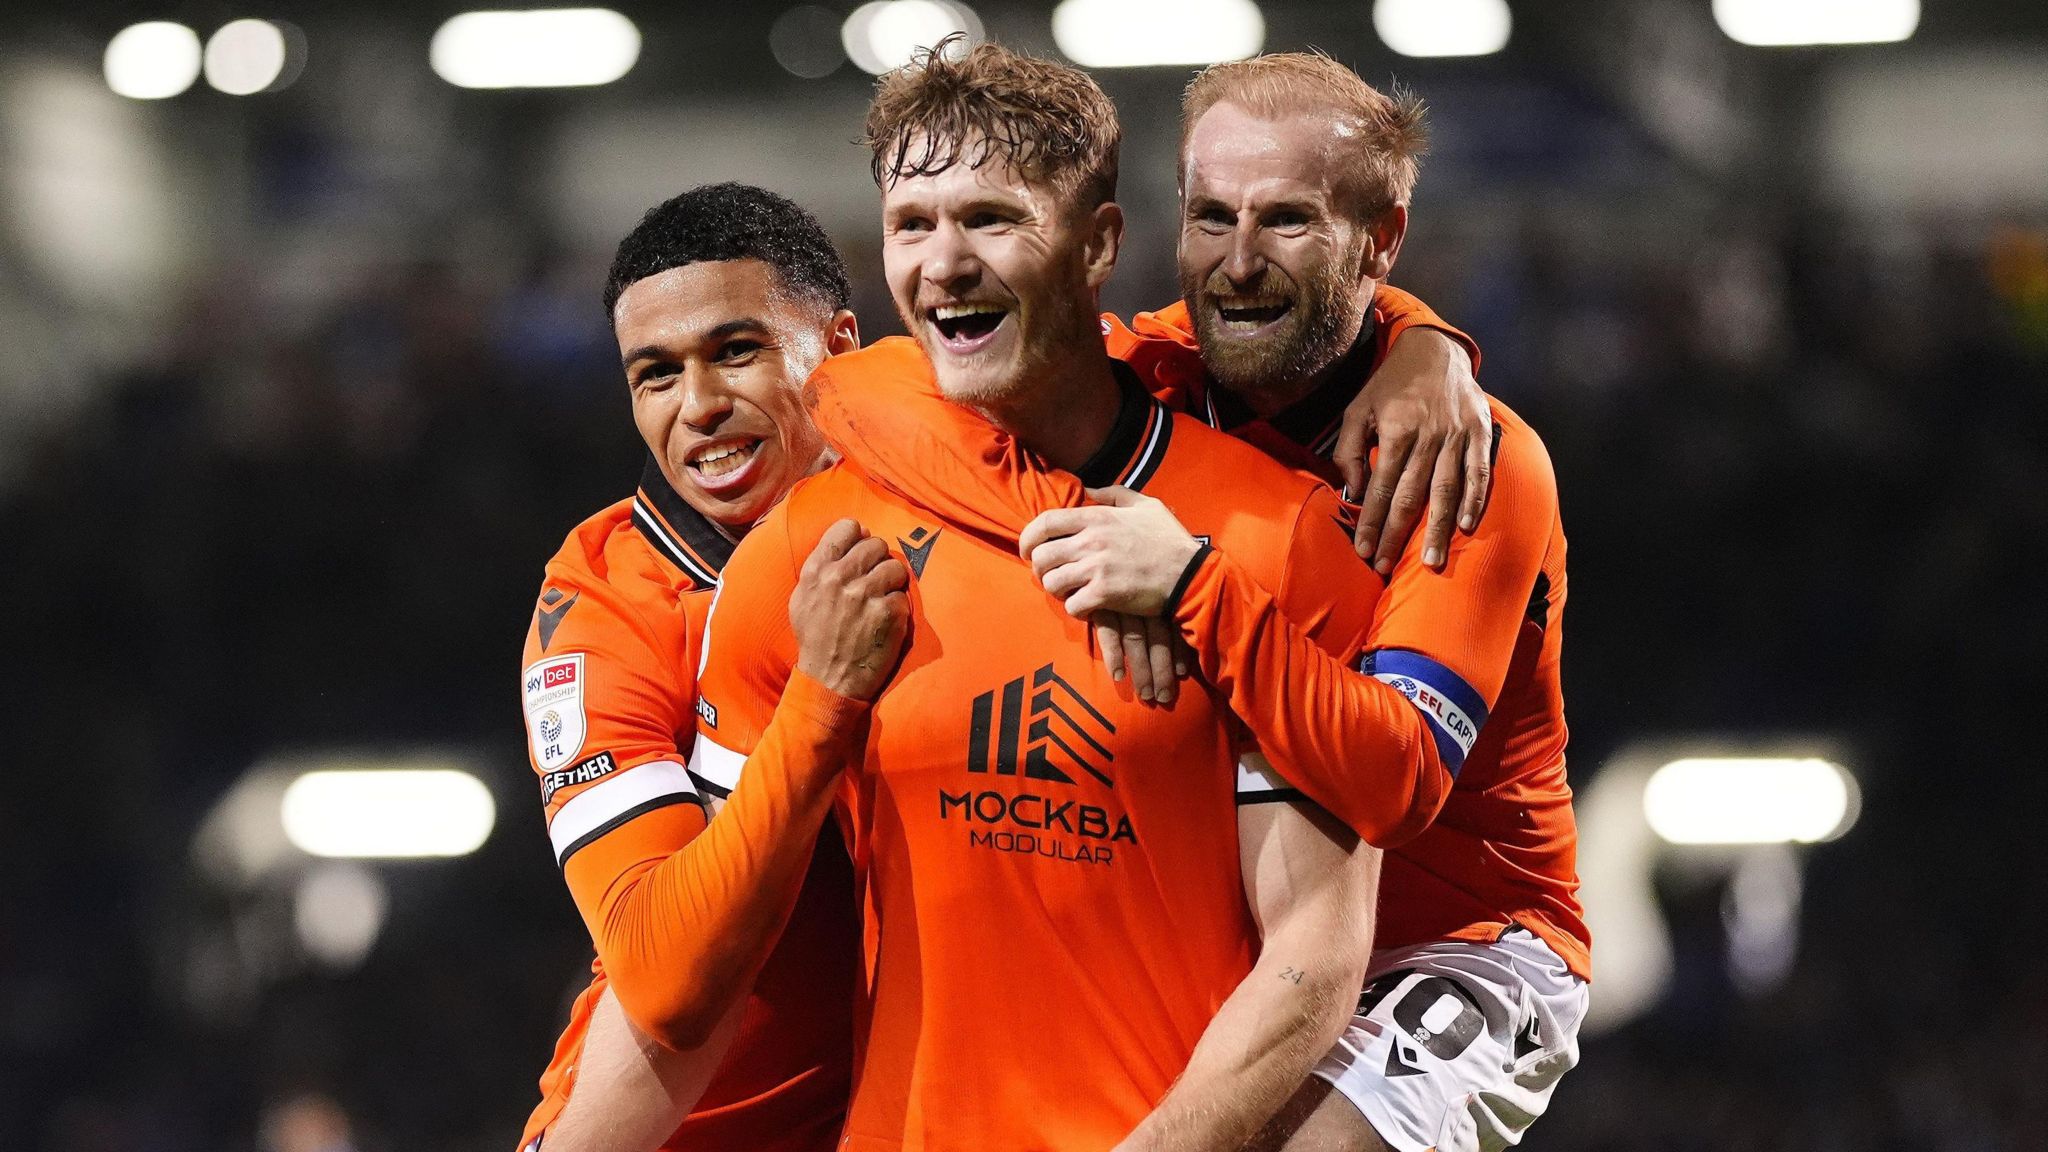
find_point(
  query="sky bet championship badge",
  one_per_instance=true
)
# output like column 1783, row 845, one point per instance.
column 554, row 709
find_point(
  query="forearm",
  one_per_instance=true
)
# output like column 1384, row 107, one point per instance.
column 1400, row 313
column 1312, row 886
column 631, row 1092
column 1255, row 1053
column 683, row 937
column 1352, row 744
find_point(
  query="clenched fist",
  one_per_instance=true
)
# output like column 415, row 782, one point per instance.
column 850, row 612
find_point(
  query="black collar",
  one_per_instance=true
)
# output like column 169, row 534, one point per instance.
column 1313, row 420
column 684, row 536
column 1137, row 440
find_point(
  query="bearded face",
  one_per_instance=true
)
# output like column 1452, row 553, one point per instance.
column 1272, row 252
column 1281, row 326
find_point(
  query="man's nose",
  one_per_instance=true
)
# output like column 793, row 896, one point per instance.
column 706, row 399
column 1245, row 264
column 950, row 261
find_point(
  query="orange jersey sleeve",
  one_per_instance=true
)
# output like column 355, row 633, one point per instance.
column 1456, row 631
column 1348, row 742
column 682, row 913
column 888, row 420
column 1439, row 651
column 749, row 650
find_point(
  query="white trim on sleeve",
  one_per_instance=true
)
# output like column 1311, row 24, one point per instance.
column 610, row 802
column 716, row 763
column 1256, row 776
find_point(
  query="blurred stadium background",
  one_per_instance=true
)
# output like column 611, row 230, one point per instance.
column 302, row 386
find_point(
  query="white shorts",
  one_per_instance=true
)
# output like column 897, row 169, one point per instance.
column 1456, row 1045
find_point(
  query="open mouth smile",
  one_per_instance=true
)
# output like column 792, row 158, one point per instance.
column 1245, row 316
column 966, row 328
column 725, row 464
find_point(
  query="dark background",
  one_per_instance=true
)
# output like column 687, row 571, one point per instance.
column 300, row 390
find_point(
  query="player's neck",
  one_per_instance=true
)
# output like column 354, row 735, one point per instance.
column 1067, row 413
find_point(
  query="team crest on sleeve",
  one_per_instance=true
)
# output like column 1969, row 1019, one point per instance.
column 553, row 695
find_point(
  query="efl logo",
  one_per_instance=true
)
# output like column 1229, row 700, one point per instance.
column 554, row 709
column 1054, row 736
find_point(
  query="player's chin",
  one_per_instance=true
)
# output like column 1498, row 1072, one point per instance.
column 987, row 375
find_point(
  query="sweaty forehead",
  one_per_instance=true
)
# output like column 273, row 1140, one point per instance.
column 1233, row 153
column 681, row 303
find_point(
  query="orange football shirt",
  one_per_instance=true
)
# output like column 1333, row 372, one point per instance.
column 1049, row 868
column 610, row 698
column 1475, row 649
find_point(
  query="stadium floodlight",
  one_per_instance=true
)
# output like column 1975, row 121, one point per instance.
column 882, row 35
column 1749, row 800
column 152, row 61
column 387, row 813
column 337, row 912
column 540, row 48
column 1443, row 27
column 246, row 57
column 1792, row 23
column 805, row 41
column 1153, row 33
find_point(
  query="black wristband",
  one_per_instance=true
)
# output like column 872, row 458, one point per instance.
column 1187, row 577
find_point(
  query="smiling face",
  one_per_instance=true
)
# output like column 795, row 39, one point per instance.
column 994, row 273
column 1276, row 270
column 716, row 354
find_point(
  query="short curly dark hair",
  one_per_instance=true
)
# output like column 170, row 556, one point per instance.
column 731, row 222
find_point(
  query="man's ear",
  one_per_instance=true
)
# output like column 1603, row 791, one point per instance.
column 1383, row 242
column 842, row 333
column 1105, row 237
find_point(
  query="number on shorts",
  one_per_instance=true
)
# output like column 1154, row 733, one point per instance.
column 1435, row 1012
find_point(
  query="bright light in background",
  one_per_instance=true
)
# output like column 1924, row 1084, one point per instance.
column 1760, row 910
column 882, row 35
column 1786, row 23
column 1740, row 800
column 246, row 57
column 388, row 813
column 1443, row 27
column 1147, row 33
column 337, row 913
column 543, row 48
column 805, row 41
column 152, row 61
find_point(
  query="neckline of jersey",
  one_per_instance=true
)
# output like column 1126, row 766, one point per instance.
column 1137, row 439
column 1311, row 420
column 683, row 536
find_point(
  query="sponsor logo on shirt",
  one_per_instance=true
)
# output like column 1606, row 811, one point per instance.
column 596, row 767
column 550, row 614
column 1038, row 727
column 918, row 549
column 553, row 696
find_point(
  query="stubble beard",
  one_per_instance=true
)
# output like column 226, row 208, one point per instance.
column 1316, row 332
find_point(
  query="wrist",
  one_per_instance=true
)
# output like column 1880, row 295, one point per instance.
column 834, row 714
column 1188, row 572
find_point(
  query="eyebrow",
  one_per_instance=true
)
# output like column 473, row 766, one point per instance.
column 1303, row 204
column 715, row 335
column 982, row 203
